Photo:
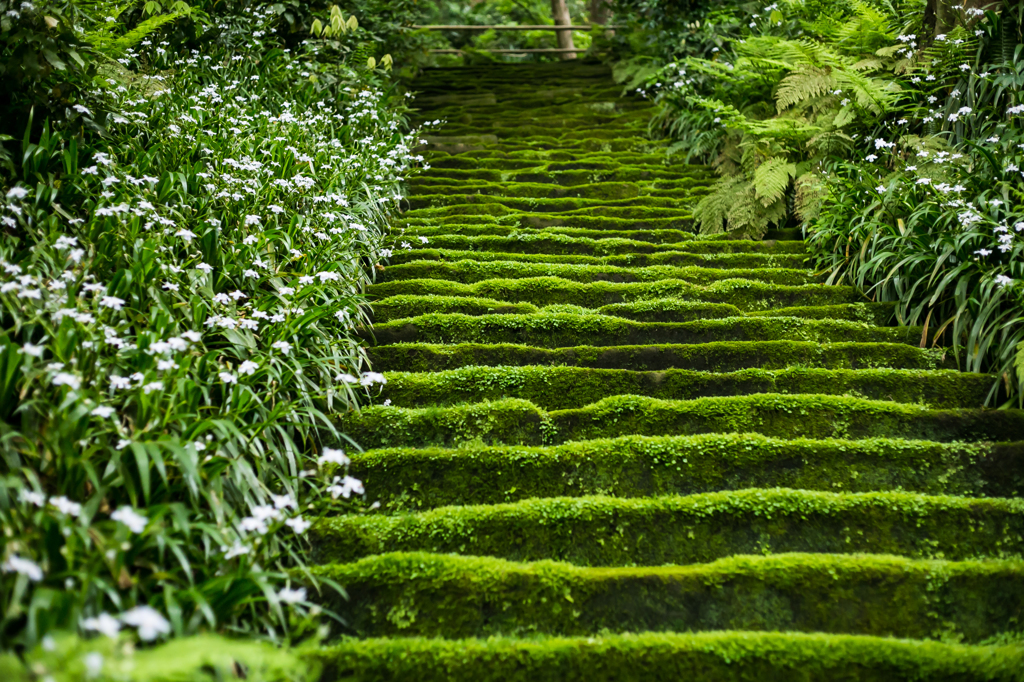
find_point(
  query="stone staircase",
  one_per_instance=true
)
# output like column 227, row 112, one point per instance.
column 617, row 451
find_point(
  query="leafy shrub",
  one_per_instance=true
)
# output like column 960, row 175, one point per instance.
column 933, row 217
column 178, row 299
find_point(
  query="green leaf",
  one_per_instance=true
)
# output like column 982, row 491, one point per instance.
column 771, row 179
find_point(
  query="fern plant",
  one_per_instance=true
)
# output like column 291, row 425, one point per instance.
column 778, row 106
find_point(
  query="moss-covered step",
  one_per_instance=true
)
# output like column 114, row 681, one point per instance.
column 500, row 160
column 562, row 388
column 552, row 243
column 726, row 656
column 546, row 190
column 675, row 310
column 745, row 294
column 657, row 310
column 461, row 232
column 422, row 594
column 654, row 531
column 643, row 466
column 636, row 219
column 566, row 178
column 557, row 330
column 682, row 258
column 470, row 271
column 515, row 421
column 725, row 356
column 468, row 204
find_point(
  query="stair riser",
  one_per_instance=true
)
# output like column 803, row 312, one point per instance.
column 638, row 466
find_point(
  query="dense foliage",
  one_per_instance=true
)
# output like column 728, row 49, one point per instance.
column 186, row 239
column 898, row 150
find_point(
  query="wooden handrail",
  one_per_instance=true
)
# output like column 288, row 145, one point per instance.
column 479, row 27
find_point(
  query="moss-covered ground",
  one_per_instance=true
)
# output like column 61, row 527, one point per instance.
column 610, row 449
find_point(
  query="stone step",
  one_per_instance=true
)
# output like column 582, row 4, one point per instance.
column 472, row 271
column 599, row 530
column 412, row 479
column 746, row 294
column 657, row 310
column 515, row 421
column 561, row 330
column 680, row 258
column 562, row 388
column 555, row 241
column 722, row 356
column 721, row 656
column 462, row 596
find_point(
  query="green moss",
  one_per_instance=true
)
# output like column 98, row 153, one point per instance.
column 745, row 294
column 515, row 421
column 454, row 596
column 698, row 657
column 640, row 466
column 653, row 531
column 559, row 388
column 565, row 330
column 397, row 307
column 673, row 258
column 676, row 310
column 552, row 242
column 723, row 356
column 468, row 271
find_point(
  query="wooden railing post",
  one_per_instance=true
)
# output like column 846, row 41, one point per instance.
column 560, row 11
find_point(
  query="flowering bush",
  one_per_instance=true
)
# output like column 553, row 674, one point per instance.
column 179, row 297
column 933, row 216
column 898, row 150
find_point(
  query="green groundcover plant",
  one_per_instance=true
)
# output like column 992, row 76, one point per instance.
column 897, row 148
column 183, row 254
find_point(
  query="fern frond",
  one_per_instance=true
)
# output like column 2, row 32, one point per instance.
column 114, row 46
column 804, row 83
column 712, row 211
column 771, row 179
column 811, row 191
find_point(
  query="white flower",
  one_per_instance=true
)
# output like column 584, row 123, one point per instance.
column 82, row 110
column 122, row 444
column 282, row 346
column 347, row 378
column 25, row 567
column 34, row 351
column 104, row 624
column 228, row 378
column 298, row 524
column 136, row 522
column 1003, row 280
column 93, row 664
column 112, row 302
column 290, row 596
column 187, row 235
column 880, row 189
column 66, row 379
column 204, row 267
column 117, row 382
column 194, row 337
column 344, row 487
column 248, row 368
column 66, row 506
column 150, row 623
column 238, row 549
column 32, row 497
column 17, row 193
column 371, row 378
column 333, row 456
column 103, row 411
column 284, row 501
